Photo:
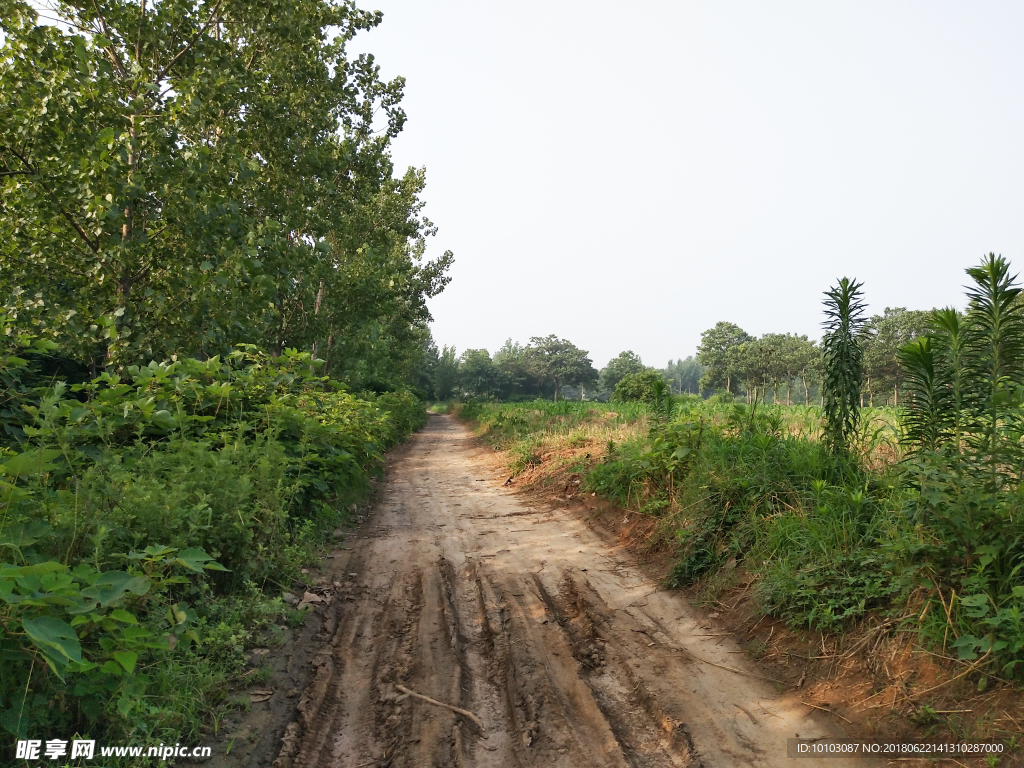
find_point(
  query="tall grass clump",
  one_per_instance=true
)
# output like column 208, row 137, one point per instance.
column 742, row 484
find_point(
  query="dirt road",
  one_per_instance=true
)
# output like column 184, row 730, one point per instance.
column 534, row 623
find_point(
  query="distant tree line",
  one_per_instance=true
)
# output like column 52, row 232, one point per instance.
column 776, row 367
column 787, row 368
column 541, row 368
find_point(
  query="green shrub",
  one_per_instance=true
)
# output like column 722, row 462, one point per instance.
column 638, row 387
column 147, row 520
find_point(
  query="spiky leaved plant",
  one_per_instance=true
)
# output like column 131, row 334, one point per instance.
column 963, row 424
column 842, row 359
column 926, row 411
column 940, row 395
column 948, row 339
column 994, row 360
column 965, row 378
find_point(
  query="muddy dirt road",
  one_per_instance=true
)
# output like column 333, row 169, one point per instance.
column 533, row 622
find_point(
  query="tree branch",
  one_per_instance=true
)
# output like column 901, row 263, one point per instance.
column 138, row 36
column 111, row 53
column 191, row 43
column 94, row 247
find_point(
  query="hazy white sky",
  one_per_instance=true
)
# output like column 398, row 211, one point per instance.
column 625, row 175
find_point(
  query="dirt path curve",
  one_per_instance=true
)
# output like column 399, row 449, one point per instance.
column 525, row 617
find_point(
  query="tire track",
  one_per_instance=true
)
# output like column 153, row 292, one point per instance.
column 459, row 603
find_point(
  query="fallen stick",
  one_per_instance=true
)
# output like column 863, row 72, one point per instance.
column 436, row 703
column 746, row 711
column 823, row 709
column 733, row 669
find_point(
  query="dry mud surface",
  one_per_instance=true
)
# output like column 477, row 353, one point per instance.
column 524, row 616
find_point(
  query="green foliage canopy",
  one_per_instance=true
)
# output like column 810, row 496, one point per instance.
column 560, row 361
column 642, row 386
column 718, row 353
column 177, row 178
column 621, row 365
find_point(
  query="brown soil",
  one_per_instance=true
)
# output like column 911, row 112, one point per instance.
column 516, row 611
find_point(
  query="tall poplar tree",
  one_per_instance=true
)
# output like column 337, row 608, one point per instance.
column 178, row 177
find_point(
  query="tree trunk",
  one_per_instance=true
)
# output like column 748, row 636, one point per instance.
column 327, row 355
column 316, row 311
column 896, row 395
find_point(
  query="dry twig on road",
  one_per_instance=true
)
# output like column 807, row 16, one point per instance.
column 436, row 703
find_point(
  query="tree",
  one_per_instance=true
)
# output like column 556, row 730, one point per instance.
column 180, row 177
column 843, row 363
column 752, row 363
column 802, row 361
column 684, row 374
column 512, row 367
column 560, row 361
column 717, row 353
column 427, row 367
column 884, row 336
column 446, row 374
column 777, row 347
column 477, row 375
column 625, row 363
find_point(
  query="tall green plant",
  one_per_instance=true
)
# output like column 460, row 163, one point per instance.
column 962, row 423
column 843, row 363
column 965, row 378
column 948, row 340
column 994, row 345
column 924, row 423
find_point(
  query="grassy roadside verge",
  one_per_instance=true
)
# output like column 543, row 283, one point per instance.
column 815, row 562
column 149, row 525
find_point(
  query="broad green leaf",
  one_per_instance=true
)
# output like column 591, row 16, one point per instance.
column 196, row 560
column 39, row 569
column 127, row 659
column 164, row 420
column 15, row 720
column 114, row 586
column 22, row 535
column 29, row 463
column 56, row 639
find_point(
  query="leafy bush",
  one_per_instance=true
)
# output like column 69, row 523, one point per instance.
column 146, row 521
column 638, row 387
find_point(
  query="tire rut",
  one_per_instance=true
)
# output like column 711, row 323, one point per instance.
column 647, row 736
